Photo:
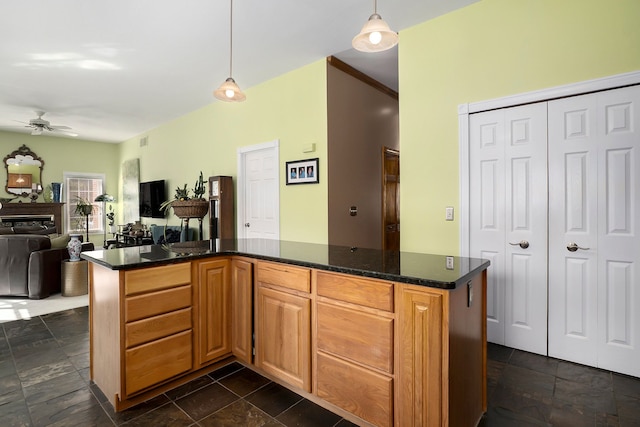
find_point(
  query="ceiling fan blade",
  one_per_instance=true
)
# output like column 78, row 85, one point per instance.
column 59, row 127
column 24, row 123
column 64, row 132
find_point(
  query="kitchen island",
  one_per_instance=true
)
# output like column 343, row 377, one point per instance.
column 381, row 338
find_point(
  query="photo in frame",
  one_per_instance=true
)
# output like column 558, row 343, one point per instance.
column 302, row 172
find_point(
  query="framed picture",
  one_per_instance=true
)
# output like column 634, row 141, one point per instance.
column 302, row 172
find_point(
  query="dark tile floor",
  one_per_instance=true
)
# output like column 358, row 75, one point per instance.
column 44, row 381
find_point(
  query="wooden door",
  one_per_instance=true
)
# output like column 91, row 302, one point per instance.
column 390, row 199
column 214, row 307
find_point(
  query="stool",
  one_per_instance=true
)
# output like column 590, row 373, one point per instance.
column 75, row 275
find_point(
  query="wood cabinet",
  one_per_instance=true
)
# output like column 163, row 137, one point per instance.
column 242, row 309
column 354, row 361
column 377, row 352
column 158, row 326
column 283, row 323
column 441, row 355
column 154, row 328
column 214, row 309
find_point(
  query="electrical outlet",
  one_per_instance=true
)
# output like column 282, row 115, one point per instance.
column 449, row 263
column 448, row 213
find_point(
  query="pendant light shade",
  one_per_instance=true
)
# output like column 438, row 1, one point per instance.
column 229, row 90
column 375, row 36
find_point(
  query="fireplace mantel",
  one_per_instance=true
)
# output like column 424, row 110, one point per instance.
column 54, row 209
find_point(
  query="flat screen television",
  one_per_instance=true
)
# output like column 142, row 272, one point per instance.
column 152, row 194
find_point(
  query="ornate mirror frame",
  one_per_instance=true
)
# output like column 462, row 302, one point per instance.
column 24, row 172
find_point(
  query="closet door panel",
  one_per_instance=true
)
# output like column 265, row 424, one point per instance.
column 573, row 181
column 508, row 221
column 618, row 240
column 487, row 219
column 526, row 227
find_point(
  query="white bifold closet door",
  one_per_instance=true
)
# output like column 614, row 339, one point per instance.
column 508, row 221
column 594, row 219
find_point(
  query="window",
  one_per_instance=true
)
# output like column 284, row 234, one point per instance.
column 86, row 186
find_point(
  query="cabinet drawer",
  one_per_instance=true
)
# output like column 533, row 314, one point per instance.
column 156, row 278
column 357, row 336
column 367, row 292
column 157, row 327
column 288, row 276
column 152, row 304
column 154, row 362
column 364, row 393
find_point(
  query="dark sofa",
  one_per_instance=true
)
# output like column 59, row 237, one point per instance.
column 29, row 267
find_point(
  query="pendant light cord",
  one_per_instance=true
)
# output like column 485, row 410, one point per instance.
column 375, row 6
column 231, row 40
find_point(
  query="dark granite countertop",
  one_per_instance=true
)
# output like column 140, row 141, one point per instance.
column 406, row 267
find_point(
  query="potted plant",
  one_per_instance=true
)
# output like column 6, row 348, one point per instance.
column 84, row 208
column 184, row 206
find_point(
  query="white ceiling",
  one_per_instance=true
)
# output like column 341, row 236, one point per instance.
column 114, row 69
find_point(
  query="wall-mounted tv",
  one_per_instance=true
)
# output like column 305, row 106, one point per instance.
column 152, row 194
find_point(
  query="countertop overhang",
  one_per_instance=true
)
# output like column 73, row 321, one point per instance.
column 439, row 271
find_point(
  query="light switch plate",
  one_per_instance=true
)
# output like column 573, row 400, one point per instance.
column 448, row 213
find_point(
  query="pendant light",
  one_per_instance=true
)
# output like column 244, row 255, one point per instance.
column 229, row 90
column 375, row 36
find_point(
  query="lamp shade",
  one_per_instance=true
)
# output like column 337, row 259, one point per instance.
column 229, row 91
column 104, row 198
column 375, row 36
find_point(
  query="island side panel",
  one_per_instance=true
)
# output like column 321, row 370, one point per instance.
column 467, row 352
column 105, row 334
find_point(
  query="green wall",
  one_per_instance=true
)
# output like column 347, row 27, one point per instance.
column 290, row 108
column 491, row 49
column 65, row 155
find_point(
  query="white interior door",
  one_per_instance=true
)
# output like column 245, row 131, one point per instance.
column 573, row 175
column 259, row 196
column 619, row 224
column 508, row 192
column 594, row 285
column 487, row 210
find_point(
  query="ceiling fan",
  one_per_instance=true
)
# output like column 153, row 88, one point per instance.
column 39, row 125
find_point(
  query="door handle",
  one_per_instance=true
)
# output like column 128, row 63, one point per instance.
column 246, row 224
column 572, row 247
column 522, row 243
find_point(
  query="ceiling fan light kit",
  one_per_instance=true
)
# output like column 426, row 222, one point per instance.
column 229, row 90
column 375, row 36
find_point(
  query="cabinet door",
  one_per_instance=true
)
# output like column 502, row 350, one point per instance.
column 421, row 362
column 214, row 310
column 283, row 336
column 241, row 310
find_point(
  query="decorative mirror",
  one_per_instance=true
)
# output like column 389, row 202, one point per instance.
column 24, row 172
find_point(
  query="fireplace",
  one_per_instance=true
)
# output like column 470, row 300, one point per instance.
column 29, row 213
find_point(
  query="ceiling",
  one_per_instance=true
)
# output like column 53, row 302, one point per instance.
column 115, row 69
